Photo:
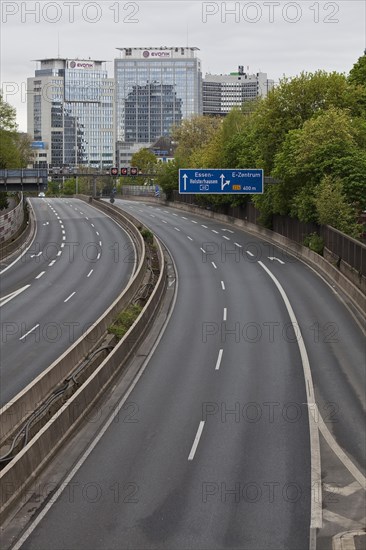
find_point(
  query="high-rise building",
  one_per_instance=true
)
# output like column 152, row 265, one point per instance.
column 223, row 92
column 156, row 88
column 71, row 113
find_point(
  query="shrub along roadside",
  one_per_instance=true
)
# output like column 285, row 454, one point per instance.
column 125, row 320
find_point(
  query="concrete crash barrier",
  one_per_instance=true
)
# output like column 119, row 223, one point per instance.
column 14, row 412
column 16, row 477
column 28, row 463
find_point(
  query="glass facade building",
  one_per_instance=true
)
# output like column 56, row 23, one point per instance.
column 70, row 111
column 156, row 88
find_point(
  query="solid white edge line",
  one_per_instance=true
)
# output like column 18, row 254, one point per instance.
column 316, row 480
column 112, row 418
column 218, row 362
column 5, row 299
column 196, row 440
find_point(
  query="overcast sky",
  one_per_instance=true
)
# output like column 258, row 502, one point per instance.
column 276, row 37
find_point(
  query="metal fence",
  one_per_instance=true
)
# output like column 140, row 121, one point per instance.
column 345, row 248
column 294, row 229
column 139, row 190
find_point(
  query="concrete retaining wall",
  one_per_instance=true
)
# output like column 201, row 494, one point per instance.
column 13, row 413
column 22, row 237
column 11, row 221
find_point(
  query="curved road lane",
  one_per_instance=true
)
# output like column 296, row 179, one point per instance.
column 216, row 451
column 78, row 263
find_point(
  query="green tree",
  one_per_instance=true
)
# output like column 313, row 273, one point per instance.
column 333, row 208
column 192, row 135
column 327, row 144
column 144, row 160
column 7, row 116
column 4, row 203
column 295, row 101
column 69, row 186
column 167, row 177
column 15, row 151
column 24, row 149
column 211, row 153
column 357, row 74
column 9, row 153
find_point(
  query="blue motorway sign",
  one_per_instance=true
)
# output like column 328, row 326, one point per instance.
column 221, row 181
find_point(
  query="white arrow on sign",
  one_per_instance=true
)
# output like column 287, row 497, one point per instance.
column 223, row 182
column 185, row 182
column 272, row 258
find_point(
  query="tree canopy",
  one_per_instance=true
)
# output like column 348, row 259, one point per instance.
column 15, row 149
column 309, row 133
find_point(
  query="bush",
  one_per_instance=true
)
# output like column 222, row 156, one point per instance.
column 147, row 236
column 125, row 320
column 315, row 243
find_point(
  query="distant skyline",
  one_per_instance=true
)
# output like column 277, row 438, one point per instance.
column 276, row 37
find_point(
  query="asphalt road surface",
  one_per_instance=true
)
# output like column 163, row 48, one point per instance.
column 78, row 263
column 212, row 447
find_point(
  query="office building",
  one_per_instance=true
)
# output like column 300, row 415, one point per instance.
column 223, row 92
column 71, row 113
column 156, row 88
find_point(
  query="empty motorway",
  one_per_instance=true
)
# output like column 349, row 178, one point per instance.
column 78, row 263
column 217, row 451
